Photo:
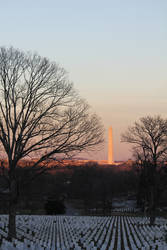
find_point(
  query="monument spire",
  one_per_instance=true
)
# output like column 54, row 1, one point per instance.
column 110, row 147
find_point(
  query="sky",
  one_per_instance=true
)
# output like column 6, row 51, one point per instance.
column 115, row 53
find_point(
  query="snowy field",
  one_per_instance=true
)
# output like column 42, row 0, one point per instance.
column 84, row 232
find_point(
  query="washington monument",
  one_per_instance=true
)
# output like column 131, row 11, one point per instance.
column 110, row 147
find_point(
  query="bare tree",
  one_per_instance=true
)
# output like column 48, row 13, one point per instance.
column 40, row 114
column 150, row 136
column 149, row 139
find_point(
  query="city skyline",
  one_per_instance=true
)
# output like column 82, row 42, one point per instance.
column 114, row 52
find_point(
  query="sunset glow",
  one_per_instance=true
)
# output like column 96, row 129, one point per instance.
column 115, row 53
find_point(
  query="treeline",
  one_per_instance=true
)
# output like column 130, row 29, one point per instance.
column 92, row 184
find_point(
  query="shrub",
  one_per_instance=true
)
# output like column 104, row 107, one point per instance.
column 54, row 207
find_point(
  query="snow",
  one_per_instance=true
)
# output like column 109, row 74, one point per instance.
column 84, row 232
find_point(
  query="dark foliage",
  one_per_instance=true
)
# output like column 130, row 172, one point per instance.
column 54, row 207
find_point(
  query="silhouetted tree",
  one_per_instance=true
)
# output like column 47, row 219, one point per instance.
column 40, row 115
column 149, row 137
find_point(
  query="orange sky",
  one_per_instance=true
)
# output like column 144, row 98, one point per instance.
column 115, row 53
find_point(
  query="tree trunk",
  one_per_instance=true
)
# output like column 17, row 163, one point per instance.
column 12, row 221
column 152, row 218
column 12, row 209
column 152, row 205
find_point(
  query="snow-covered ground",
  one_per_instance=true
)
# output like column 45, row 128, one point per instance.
column 123, row 203
column 84, row 232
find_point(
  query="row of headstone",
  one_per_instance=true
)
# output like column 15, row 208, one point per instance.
column 84, row 232
column 126, row 210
